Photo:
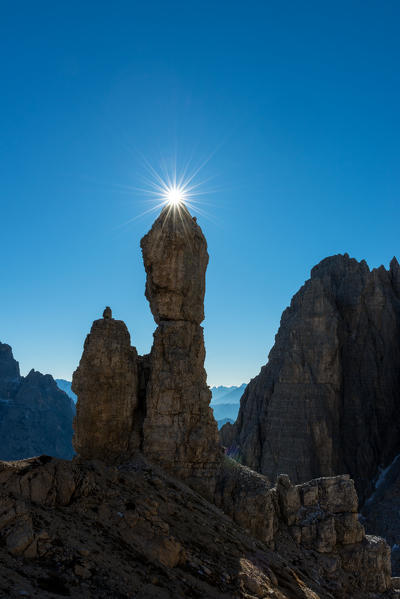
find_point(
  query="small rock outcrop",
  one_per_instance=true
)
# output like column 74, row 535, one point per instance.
column 319, row 517
column 35, row 415
column 106, row 383
column 179, row 430
column 107, row 312
column 327, row 401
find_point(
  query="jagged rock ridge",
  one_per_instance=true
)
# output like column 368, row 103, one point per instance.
column 35, row 415
column 327, row 400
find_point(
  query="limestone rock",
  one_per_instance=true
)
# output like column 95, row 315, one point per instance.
column 159, row 403
column 175, row 257
column 35, row 415
column 327, row 401
column 248, row 498
column 369, row 563
column 20, row 537
column 179, row 430
column 106, row 383
column 322, row 513
column 132, row 530
column 321, row 517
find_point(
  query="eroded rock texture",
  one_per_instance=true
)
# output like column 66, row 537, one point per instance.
column 108, row 418
column 35, row 415
column 327, row 401
column 319, row 517
column 179, row 430
column 175, row 258
column 82, row 529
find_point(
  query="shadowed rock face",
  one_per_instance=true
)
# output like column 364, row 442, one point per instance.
column 179, row 431
column 10, row 377
column 35, row 415
column 327, row 401
column 106, row 383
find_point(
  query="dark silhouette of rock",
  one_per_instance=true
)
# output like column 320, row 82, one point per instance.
column 35, row 415
column 106, row 383
column 10, row 377
column 66, row 387
column 179, row 430
column 327, row 401
column 107, row 312
column 380, row 512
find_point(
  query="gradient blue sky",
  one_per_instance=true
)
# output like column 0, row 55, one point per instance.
column 297, row 103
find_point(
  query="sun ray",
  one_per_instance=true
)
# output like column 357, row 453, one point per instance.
column 174, row 185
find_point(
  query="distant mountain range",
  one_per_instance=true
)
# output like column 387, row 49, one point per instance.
column 225, row 403
column 35, row 415
column 225, row 400
column 66, row 387
column 227, row 395
column 224, row 421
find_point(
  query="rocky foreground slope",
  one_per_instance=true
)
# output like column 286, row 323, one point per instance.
column 151, row 508
column 82, row 529
column 35, row 415
column 327, row 400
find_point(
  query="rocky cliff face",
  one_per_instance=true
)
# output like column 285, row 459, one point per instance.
column 179, row 430
column 35, row 415
column 10, row 377
column 327, row 401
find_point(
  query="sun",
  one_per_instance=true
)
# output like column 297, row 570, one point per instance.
column 175, row 190
column 175, row 195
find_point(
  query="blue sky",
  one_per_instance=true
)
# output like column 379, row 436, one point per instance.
column 295, row 103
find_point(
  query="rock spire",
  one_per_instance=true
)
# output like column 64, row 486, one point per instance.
column 106, row 383
column 179, row 430
column 158, row 404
